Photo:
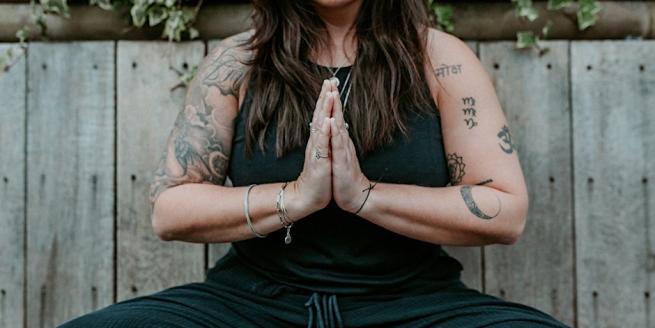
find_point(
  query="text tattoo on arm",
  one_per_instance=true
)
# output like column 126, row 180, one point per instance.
column 195, row 139
column 445, row 70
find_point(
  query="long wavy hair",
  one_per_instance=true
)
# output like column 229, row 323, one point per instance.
column 387, row 74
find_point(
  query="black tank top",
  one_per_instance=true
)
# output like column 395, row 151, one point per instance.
column 335, row 251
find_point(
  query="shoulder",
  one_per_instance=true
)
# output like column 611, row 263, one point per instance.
column 225, row 66
column 452, row 64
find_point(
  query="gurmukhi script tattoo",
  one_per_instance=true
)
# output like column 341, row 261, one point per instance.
column 469, row 112
column 467, row 195
column 506, row 143
column 200, row 134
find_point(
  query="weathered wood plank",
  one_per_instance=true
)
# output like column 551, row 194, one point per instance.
column 147, row 108
column 12, row 192
column 470, row 257
column 217, row 250
column 70, row 157
column 534, row 93
column 613, row 89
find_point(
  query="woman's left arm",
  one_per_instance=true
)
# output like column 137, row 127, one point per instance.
column 487, row 200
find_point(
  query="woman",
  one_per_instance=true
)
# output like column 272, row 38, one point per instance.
column 406, row 149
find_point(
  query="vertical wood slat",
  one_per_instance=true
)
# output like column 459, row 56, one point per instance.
column 614, row 142
column 216, row 250
column 470, row 257
column 70, row 152
column 147, row 108
column 12, row 191
column 534, row 90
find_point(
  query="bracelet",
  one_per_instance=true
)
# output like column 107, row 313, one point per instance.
column 245, row 210
column 283, row 214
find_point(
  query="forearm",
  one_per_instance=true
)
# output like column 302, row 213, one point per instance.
column 478, row 216
column 208, row 213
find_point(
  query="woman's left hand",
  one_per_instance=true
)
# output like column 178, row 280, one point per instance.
column 349, row 184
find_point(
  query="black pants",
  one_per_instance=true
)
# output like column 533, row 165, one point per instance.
column 234, row 296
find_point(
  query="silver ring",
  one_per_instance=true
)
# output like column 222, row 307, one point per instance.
column 317, row 154
column 311, row 129
column 346, row 125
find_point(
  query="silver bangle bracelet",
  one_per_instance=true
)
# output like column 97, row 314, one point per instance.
column 245, row 210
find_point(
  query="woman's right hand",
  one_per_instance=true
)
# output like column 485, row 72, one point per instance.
column 314, row 184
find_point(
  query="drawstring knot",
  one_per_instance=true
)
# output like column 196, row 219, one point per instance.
column 327, row 311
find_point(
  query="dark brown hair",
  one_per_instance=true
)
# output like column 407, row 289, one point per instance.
column 387, row 75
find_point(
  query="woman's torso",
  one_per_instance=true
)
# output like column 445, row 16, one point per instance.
column 336, row 251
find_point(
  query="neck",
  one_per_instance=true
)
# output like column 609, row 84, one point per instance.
column 339, row 22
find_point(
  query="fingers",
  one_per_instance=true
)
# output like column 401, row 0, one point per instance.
column 337, row 111
column 323, row 139
column 338, row 142
column 319, row 103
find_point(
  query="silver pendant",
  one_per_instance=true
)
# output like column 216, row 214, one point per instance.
column 336, row 81
column 287, row 239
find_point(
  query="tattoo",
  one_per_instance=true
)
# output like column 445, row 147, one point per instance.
column 484, row 182
column 444, row 70
column 455, row 168
column 467, row 195
column 506, row 138
column 469, row 112
column 198, row 145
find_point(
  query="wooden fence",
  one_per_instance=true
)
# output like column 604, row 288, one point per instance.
column 82, row 125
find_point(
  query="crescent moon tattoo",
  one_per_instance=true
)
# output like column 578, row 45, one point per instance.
column 467, row 195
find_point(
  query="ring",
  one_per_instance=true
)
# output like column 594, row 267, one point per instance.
column 346, row 125
column 311, row 129
column 317, row 154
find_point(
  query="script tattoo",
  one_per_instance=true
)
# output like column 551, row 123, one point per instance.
column 455, row 168
column 506, row 140
column 198, row 145
column 469, row 112
column 444, row 70
column 473, row 207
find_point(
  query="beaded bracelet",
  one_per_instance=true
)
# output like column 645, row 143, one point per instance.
column 245, row 210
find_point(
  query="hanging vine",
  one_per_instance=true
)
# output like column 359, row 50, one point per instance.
column 178, row 17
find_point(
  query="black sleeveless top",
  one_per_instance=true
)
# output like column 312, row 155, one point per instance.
column 336, row 251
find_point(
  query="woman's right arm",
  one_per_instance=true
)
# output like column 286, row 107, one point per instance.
column 188, row 197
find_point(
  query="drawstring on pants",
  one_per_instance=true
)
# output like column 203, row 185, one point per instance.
column 327, row 311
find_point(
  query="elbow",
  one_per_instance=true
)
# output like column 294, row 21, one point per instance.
column 516, row 225
column 158, row 221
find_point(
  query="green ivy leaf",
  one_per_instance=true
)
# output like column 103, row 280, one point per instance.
column 587, row 13
column 59, row 7
column 444, row 14
column 525, row 9
column 547, row 28
column 157, row 14
column 558, row 4
column 138, row 12
column 526, row 39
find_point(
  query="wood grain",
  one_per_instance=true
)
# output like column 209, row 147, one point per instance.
column 147, row 106
column 12, row 191
column 613, row 89
column 70, row 213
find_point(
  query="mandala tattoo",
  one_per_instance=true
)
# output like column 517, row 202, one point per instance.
column 456, row 168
